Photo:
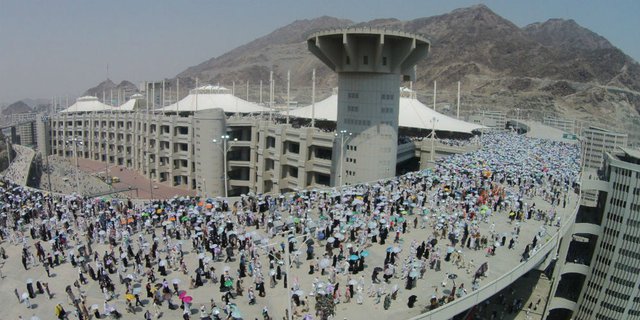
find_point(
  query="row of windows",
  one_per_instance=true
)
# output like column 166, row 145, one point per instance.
column 386, row 96
column 614, row 217
column 628, row 237
column 622, row 172
column 618, row 202
column 350, row 173
column 352, row 148
column 612, row 307
column 621, row 281
column 633, row 223
column 358, row 122
column 627, row 268
column 620, row 187
column 600, row 316
column 604, row 260
column 353, row 95
column 635, row 207
column 365, row 60
column 610, row 232
column 386, row 110
column 352, row 108
column 590, row 298
column 630, row 254
column 607, row 246
column 599, row 273
column 351, row 160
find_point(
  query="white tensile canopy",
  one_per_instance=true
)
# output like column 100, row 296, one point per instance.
column 210, row 97
column 413, row 114
column 87, row 104
column 132, row 103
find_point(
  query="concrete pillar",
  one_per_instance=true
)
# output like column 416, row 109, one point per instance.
column 370, row 64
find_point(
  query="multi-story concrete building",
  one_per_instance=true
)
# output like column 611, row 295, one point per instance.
column 175, row 146
column 598, row 269
column 596, row 142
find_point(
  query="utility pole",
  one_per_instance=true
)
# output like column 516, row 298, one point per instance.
column 433, row 138
column 458, row 112
column 313, row 99
column 288, row 93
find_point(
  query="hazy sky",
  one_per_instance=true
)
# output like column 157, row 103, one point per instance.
column 62, row 47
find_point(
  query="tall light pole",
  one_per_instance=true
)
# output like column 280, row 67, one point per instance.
column 148, row 157
column 76, row 141
column 6, row 142
column 433, row 137
column 225, row 149
column 343, row 134
column 46, row 157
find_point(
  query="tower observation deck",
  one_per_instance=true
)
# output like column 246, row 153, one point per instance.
column 370, row 64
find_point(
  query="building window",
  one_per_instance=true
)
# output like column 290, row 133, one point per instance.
column 348, row 60
column 384, row 61
column 352, row 95
column 365, row 60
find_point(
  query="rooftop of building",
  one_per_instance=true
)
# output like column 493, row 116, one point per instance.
column 369, row 30
column 603, row 130
column 629, row 155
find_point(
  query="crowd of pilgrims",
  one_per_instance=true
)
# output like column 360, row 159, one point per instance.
column 244, row 244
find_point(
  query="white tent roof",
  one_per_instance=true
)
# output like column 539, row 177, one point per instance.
column 131, row 103
column 87, row 104
column 413, row 114
column 210, row 97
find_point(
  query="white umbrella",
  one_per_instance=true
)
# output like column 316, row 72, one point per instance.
column 324, row 263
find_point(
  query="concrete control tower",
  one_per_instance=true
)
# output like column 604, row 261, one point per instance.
column 370, row 64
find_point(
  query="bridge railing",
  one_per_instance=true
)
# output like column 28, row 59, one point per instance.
column 474, row 298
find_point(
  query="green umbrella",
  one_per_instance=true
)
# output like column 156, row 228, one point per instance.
column 145, row 214
column 184, row 218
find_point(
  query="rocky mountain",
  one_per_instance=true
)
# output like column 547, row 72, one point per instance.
column 281, row 50
column 567, row 34
column 553, row 67
column 16, row 108
column 109, row 88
